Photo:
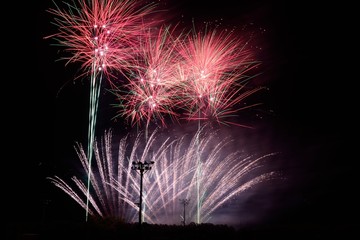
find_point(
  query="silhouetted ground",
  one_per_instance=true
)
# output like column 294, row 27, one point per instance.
column 108, row 230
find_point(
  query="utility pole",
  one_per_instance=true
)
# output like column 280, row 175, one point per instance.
column 142, row 167
column 185, row 202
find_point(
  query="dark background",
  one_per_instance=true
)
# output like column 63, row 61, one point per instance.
column 309, row 101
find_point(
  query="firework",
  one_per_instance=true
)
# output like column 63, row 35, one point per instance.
column 196, row 76
column 203, row 75
column 173, row 176
column 101, row 35
column 214, row 75
column 152, row 83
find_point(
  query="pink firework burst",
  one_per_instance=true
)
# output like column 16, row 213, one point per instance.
column 152, row 83
column 214, row 75
column 101, row 34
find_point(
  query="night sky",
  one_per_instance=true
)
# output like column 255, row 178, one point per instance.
column 303, row 115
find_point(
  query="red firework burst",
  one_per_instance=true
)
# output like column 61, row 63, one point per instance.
column 152, row 83
column 213, row 74
column 101, row 34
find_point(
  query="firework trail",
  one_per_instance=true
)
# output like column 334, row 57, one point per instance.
column 101, row 35
column 172, row 177
column 213, row 76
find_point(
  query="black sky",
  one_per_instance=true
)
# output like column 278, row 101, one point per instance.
column 308, row 119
